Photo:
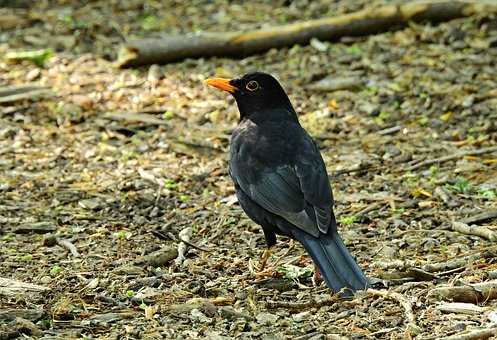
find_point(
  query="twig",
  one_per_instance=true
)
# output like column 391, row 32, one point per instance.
column 69, row 246
column 303, row 305
column 404, row 302
column 27, row 91
column 484, row 333
column 458, row 262
column 137, row 117
column 441, row 268
column 486, row 215
column 461, row 308
column 390, row 130
column 357, row 168
column 480, row 231
column 452, row 157
column 474, row 293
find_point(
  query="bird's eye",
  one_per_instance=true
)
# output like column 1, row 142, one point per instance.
column 252, row 85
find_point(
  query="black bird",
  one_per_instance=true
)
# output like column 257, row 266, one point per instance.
column 281, row 180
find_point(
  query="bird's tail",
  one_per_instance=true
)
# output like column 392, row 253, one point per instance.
column 336, row 264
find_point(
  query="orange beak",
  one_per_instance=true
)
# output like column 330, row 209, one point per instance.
column 221, row 83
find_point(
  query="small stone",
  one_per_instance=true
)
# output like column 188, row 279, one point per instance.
column 370, row 109
column 208, row 308
column 154, row 74
column 93, row 283
column 91, row 204
column 318, row 45
column 230, row 313
column 241, row 294
column 33, row 74
column 140, row 220
column 154, row 212
column 45, row 280
column 27, row 327
column 49, row 240
column 199, row 316
column 468, row 101
column 300, row 316
column 161, row 257
column 266, row 318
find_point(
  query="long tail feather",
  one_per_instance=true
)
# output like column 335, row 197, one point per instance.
column 337, row 266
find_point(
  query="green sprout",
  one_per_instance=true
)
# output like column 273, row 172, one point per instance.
column 348, row 220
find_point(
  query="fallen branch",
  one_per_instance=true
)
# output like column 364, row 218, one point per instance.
column 452, row 157
column 406, row 305
column 239, row 44
column 473, row 293
column 480, row 231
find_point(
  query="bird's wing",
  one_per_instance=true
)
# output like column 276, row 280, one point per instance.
column 299, row 193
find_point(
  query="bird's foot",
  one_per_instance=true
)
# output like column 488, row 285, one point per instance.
column 264, row 258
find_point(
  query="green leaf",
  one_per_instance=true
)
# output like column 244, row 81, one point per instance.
column 347, row 220
column 38, row 57
column 292, row 272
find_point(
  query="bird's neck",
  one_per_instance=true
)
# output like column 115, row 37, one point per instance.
column 265, row 114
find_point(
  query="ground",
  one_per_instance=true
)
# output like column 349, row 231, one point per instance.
column 118, row 165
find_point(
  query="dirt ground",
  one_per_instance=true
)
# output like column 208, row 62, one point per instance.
column 104, row 171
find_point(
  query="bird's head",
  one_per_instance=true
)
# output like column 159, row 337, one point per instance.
column 258, row 95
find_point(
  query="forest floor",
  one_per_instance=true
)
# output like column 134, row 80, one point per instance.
column 103, row 171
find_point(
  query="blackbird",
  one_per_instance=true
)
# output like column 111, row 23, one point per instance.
column 280, row 178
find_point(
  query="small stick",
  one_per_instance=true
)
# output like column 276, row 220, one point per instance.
column 486, row 215
column 404, row 302
column 303, row 305
column 69, row 246
column 480, row 231
column 390, row 130
column 473, row 293
column 452, row 157
column 484, row 333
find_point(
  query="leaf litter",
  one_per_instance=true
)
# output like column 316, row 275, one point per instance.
column 99, row 179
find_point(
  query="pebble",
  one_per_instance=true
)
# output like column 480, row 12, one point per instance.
column 161, row 257
column 266, row 318
column 300, row 316
column 199, row 316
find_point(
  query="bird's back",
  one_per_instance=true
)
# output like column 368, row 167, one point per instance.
column 266, row 145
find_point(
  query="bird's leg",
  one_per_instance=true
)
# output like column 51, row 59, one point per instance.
column 265, row 256
column 316, row 277
column 270, row 241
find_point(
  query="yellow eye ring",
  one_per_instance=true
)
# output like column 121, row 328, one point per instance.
column 252, row 85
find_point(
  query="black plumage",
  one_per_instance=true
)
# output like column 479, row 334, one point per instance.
column 281, row 180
